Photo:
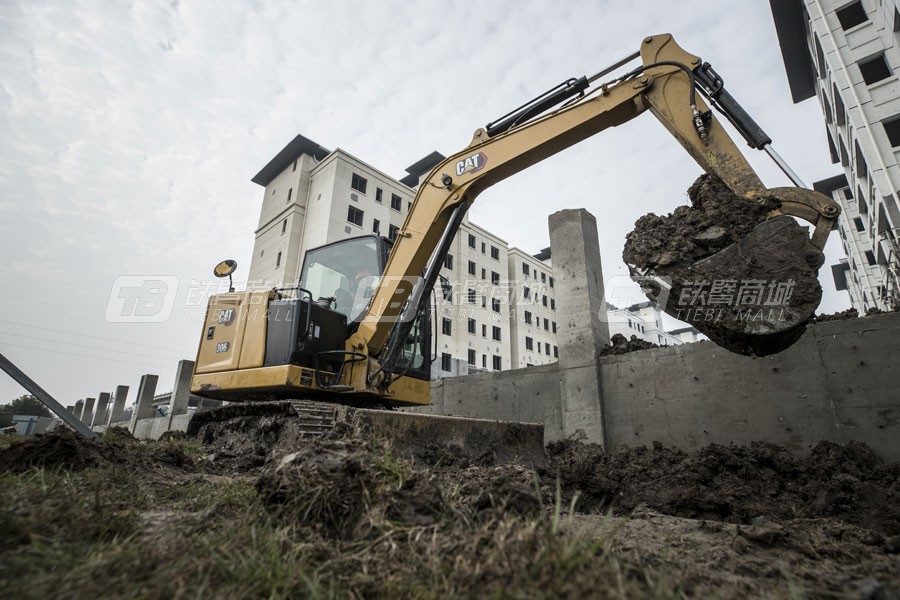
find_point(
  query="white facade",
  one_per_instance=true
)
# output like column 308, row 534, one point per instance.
column 850, row 62
column 314, row 197
column 645, row 322
column 533, row 306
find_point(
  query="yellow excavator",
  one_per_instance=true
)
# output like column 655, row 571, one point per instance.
column 356, row 328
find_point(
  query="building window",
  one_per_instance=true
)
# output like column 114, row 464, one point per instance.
column 471, row 241
column 283, row 226
column 861, row 167
column 896, row 20
column 446, row 326
column 278, row 260
column 553, row 326
column 445, row 362
column 555, row 351
column 355, row 216
column 852, row 15
column 497, row 363
column 539, row 347
column 484, row 360
column 396, row 202
column 552, row 304
column 845, row 158
column 358, row 183
column 378, row 194
column 840, row 114
column 495, row 252
column 547, row 349
column 483, row 273
column 870, row 257
column 471, row 296
column 409, row 205
column 495, row 277
column 527, row 318
column 543, row 278
column 471, row 357
column 551, row 282
column 860, row 226
column 471, row 267
column 483, row 330
column 495, row 305
column 526, row 292
column 295, row 166
column 875, row 69
column 525, row 269
column 544, row 300
column 892, row 129
column 290, row 193
column 820, row 58
column 483, row 247
column 376, row 226
column 448, row 261
column 393, row 230
column 529, row 343
column 495, row 333
column 472, row 326
column 546, row 324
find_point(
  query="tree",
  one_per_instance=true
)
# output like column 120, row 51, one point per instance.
column 25, row 405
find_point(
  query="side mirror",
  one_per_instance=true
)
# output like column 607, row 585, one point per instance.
column 225, row 269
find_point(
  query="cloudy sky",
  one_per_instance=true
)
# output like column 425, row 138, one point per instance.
column 129, row 132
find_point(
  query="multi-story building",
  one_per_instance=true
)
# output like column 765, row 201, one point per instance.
column 846, row 53
column 645, row 321
column 314, row 196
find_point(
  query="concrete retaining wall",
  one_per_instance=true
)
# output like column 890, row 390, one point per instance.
column 839, row 383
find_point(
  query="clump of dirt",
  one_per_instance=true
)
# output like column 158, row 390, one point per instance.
column 850, row 313
column 59, row 449
column 749, row 283
column 64, row 449
column 716, row 219
column 618, row 344
column 737, row 483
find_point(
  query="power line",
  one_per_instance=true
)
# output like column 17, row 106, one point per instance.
column 143, row 364
column 30, row 337
column 96, row 337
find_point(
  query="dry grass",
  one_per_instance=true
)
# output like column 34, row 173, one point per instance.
column 164, row 532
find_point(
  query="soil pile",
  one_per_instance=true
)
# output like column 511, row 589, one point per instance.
column 737, row 484
column 748, row 283
column 618, row 344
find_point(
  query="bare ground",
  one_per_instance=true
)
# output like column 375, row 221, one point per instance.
column 352, row 516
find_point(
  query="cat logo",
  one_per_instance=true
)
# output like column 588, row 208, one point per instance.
column 472, row 164
column 226, row 317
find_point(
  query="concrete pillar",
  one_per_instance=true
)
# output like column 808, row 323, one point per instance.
column 118, row 407
column 181, row 393
column 79, row 408
column 71, row 408
column 143, row 407
column 101, row 414
column 582, row 329
column 88, row 414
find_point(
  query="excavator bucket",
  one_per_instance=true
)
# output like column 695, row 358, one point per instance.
column 740, row 271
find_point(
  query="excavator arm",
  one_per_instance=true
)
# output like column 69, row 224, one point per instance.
column 666, row 84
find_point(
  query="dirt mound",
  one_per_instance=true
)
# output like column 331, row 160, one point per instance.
column 618, row 344
column 64, row 449
column 736, row 483
column 59, row 449
column 749, row 283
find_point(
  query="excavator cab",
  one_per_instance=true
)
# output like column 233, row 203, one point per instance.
column 299, row 332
